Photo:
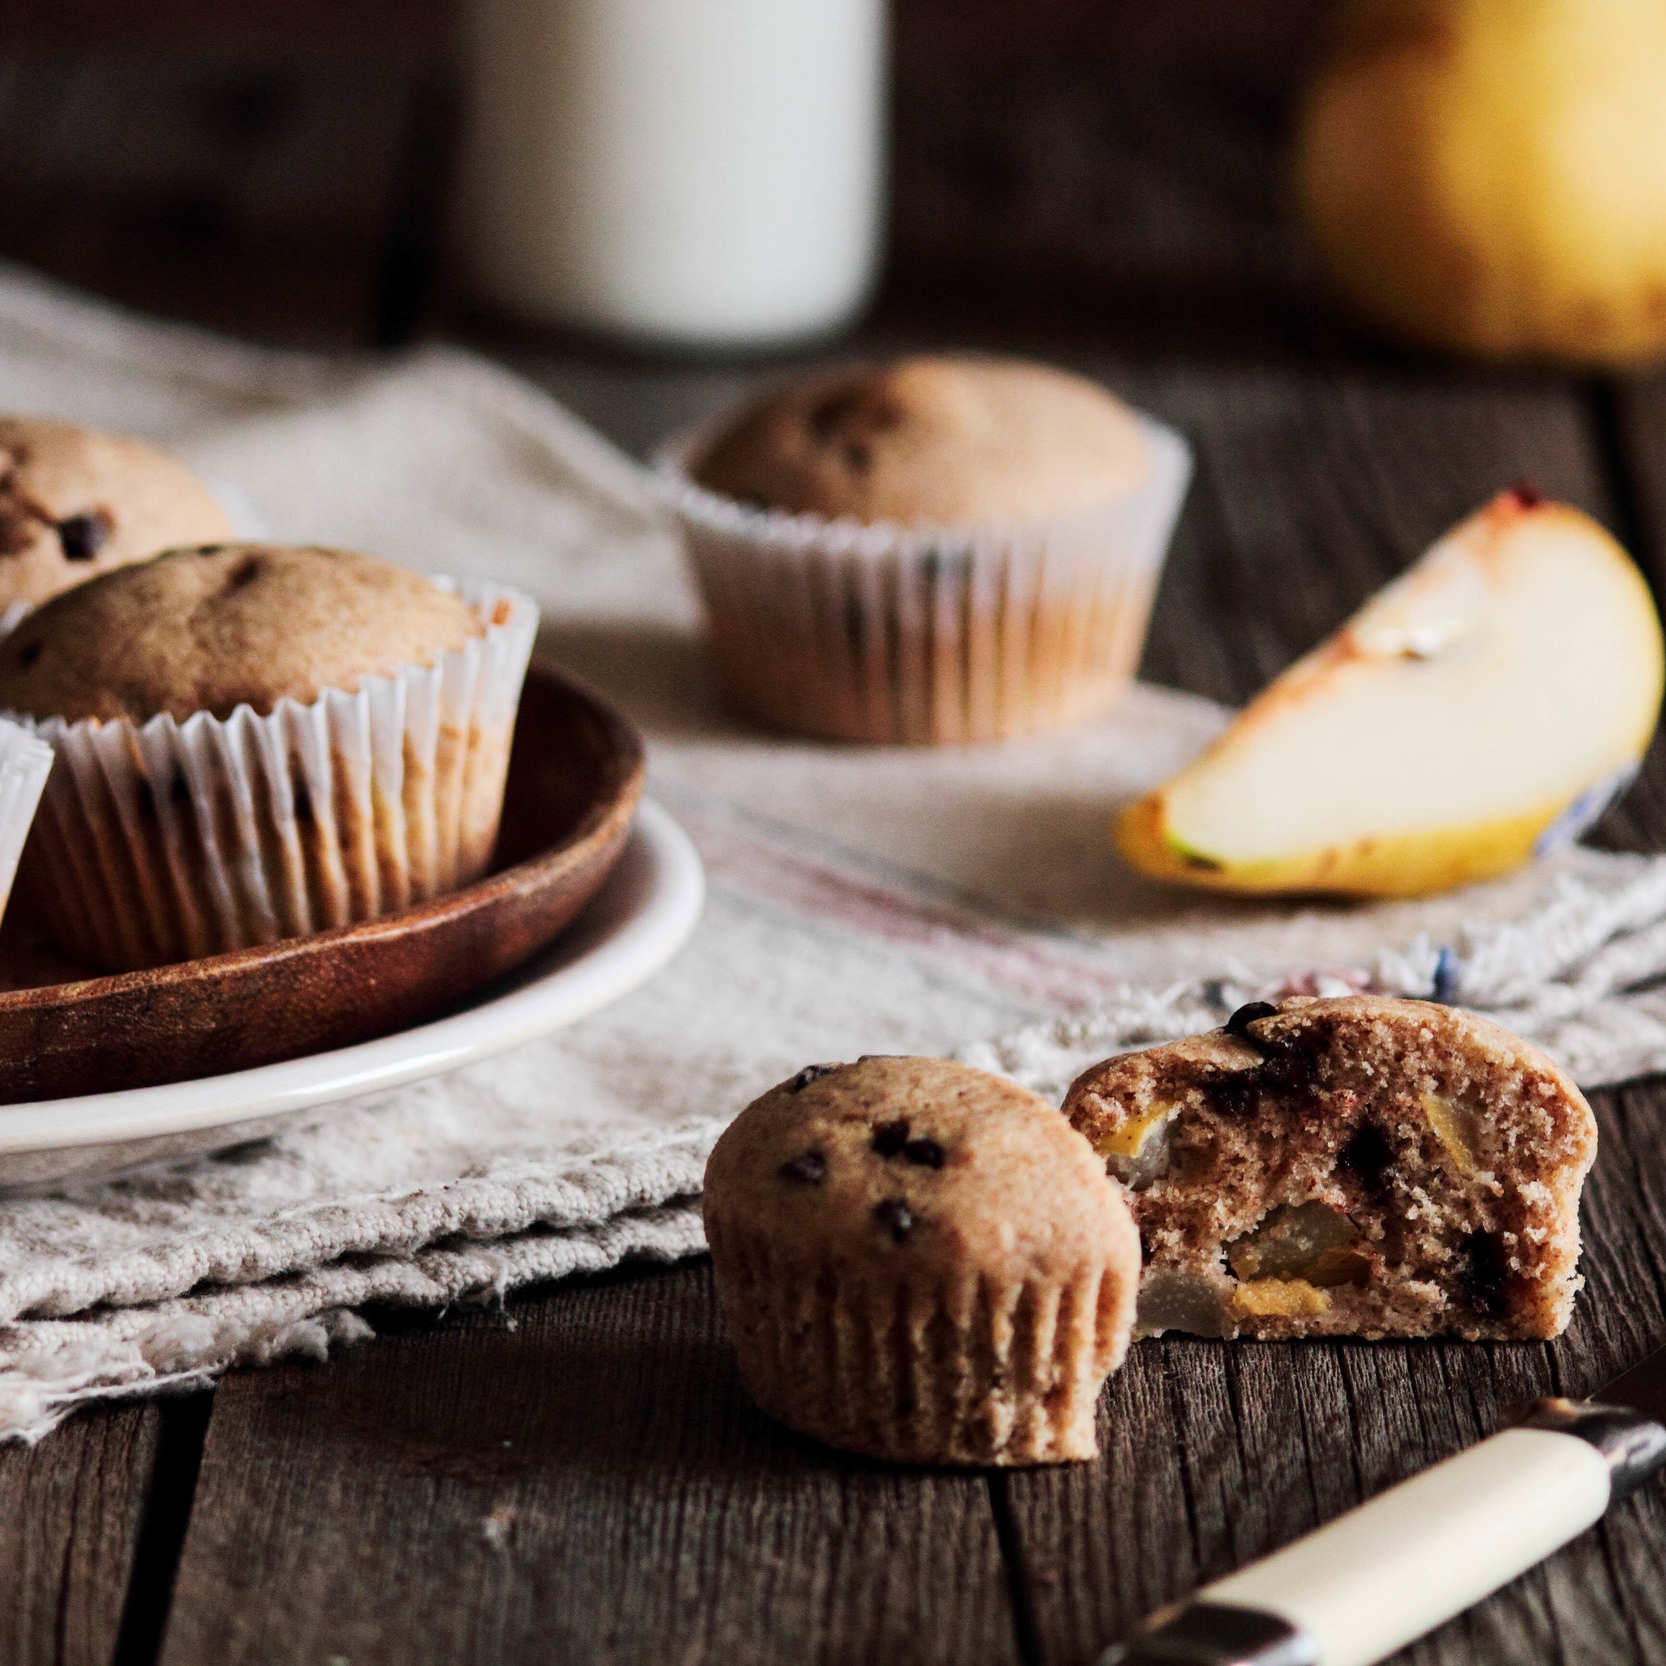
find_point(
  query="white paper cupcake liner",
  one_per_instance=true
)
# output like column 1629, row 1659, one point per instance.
column 25, row 763
column 173, row 840
column 927, row 635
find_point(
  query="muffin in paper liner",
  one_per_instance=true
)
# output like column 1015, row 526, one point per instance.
column 25, row 763
column 174, row 839
column 920, row 1262
column 927, row 635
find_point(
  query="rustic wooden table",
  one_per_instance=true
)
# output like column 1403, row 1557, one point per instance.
column 579, row 1476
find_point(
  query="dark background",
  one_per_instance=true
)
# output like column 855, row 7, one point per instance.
column 1071, row 166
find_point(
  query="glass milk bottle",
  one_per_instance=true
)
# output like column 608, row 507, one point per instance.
column 698, row 173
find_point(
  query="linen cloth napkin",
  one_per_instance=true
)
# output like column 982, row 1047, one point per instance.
column 860, row 900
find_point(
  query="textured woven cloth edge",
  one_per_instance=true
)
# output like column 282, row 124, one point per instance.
column 1574, row 977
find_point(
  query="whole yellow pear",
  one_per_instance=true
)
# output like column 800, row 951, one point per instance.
column 1490, row 175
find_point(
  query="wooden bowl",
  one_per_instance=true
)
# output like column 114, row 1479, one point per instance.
column 575, row 775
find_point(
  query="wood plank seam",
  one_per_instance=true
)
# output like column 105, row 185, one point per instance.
column 162, row 1528
column 1630, row 524
column 1020, row 1576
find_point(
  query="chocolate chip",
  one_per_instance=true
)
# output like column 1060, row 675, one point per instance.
column 1292, row 1069
column 927, row 1153
column 1368, row 1159
column 810, row 1073
column 858, row 456
column 831, row 412
column 808, row 1167
column 889, row 1138
column 29, row 653
column 1237, row 1094
column 1238, row 1024
column 245, row 572
column 1484, row 1276
column 83, row 536
column 895, row 1216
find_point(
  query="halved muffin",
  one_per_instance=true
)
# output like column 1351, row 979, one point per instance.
column 1356, row 1166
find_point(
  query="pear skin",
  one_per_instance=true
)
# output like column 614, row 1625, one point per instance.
column 1489, row 176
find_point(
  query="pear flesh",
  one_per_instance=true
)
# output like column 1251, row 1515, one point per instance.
column 1484, row 706
column 1490, row 175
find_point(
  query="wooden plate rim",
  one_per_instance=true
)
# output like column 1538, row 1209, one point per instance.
column 605, row 823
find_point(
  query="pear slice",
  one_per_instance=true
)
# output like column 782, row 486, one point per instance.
column 1484, row 707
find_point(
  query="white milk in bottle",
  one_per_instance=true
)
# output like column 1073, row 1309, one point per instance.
column 704, row 173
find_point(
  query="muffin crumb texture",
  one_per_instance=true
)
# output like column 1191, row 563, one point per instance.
column 939, row 440
column 75, row 503
column 223, row 625
column 1349, row 1167
column 921, row 1262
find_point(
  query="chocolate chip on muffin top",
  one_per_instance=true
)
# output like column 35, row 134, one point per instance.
column 924, row 1153
column 942, row 440
column 75, row 503
column 224, row 625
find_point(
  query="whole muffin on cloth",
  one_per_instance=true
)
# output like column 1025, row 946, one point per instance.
column 256, row 742
column 921, row 1261
column 941, row 548
column 1347, row 1167
column 75, row 503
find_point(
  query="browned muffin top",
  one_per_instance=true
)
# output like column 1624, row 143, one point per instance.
column 224, row 625
column 939, row 440
column 955, row 1170
column 75, row 503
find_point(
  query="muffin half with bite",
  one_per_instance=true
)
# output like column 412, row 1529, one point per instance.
column 75, row 503
column 256, row 742
column 1358, row 1166
column 941, row 548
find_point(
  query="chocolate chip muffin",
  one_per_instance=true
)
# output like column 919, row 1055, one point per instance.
column 75, row 503
column 257, row 742
column 921, row 1262
column 942, row 548
column 1348, row 1167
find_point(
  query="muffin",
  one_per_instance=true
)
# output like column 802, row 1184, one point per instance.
column 75, row 503
column 922, row 1262
column 255, row 742
column 936, row 549
column 1348, row 1167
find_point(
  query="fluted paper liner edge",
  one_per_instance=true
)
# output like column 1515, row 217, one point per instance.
column 953, row 1370
column 886, row 633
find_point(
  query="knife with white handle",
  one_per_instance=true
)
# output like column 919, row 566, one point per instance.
column 1364, row 1585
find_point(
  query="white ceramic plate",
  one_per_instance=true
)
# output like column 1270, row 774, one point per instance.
column 637, row 922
